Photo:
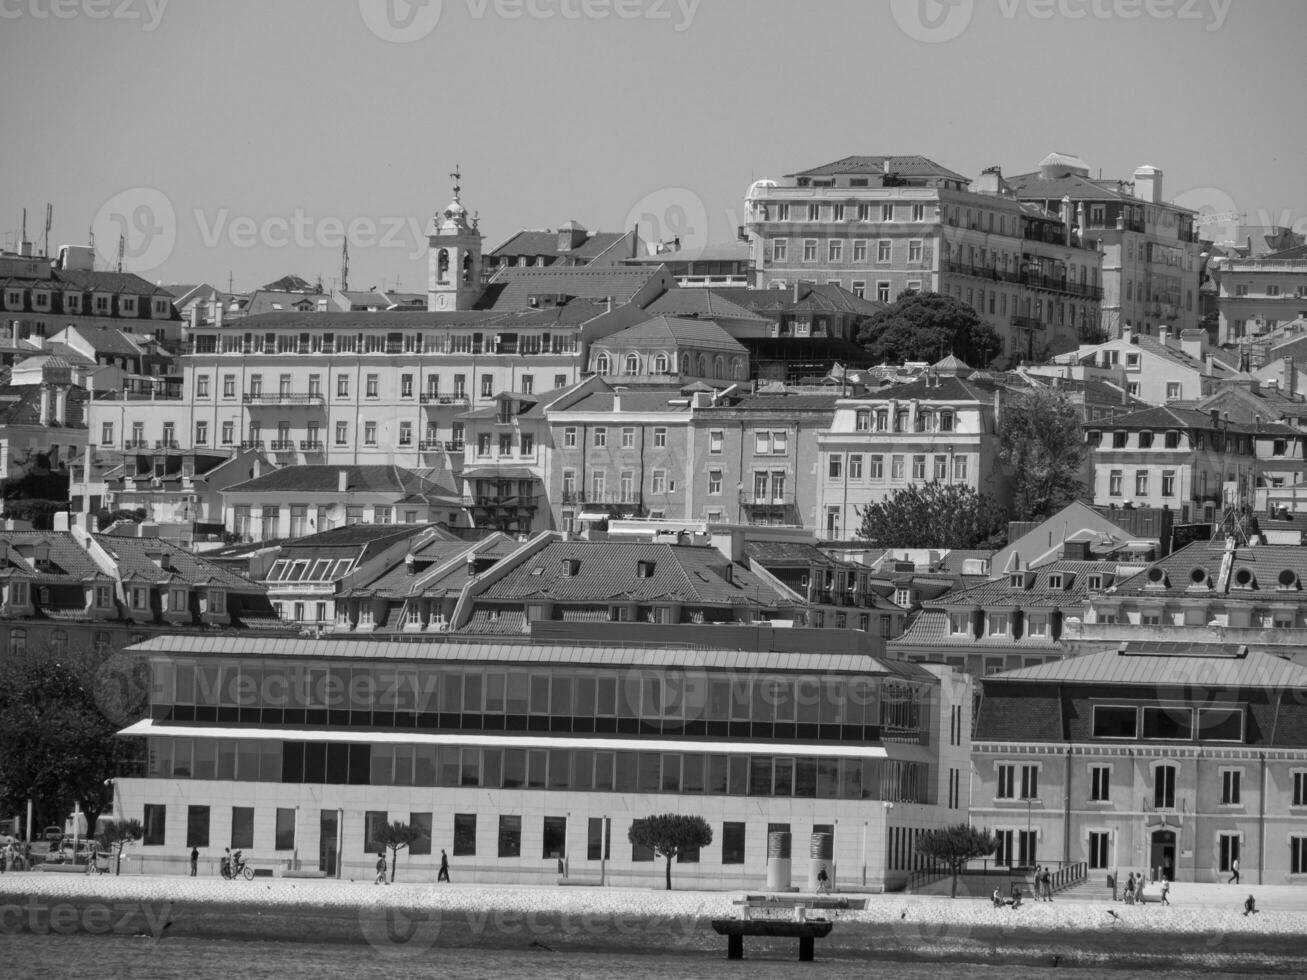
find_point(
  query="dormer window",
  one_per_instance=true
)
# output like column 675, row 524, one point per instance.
column 177, row 600
column 571, row 567
column 644, row 569
column 140, row 597
column 18, row 593
column 1055, row 581
column 103, row 596
column 1119, row 438
column 998, row 624
column 1145, row 438
column 1172, row 439
column 1095, row 581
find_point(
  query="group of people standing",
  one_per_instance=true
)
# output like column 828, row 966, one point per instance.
column 1134, row 889
column 381, row 879
column 15, row 857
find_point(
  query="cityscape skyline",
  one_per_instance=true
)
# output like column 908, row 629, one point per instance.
column 189, row 213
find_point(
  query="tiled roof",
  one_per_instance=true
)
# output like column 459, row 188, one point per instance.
column 1165, row 664
column 496, row 621
column 110, row 340
column 67, row 557
column 1074, row 186
column 1170, row 417
column 818, row 297
column 905, row 166
column 635, row 399
column 326, row 479
column 138, row 557
column 943, row 388
column 931, row 628
column 1175, row 574
column 609, row 570
column 399, row 581
column 363, row 320
column 999, row 593
column 785, row 403
column 21, row 405
column 700, row 302
column 533, row 243
column 112, row 282
column 719, row 252
column 673, row 331
column 514, row 287
column 777, row 553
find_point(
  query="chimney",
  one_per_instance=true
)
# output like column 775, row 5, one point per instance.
column 45, row 405
column 635, row 240
column 342, row 481
column 796, row 290
column 617, row 401
column 217, row 310
column 1148, row 184
column 1128, row 334
column 193, row 315
column 1066, row 220
column 61, row 404
column 1164, row 335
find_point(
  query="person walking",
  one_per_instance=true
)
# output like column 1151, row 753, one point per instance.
column 444, row 867
column 1130, row 889
column 381, row 869
column 1111, row 883
column 1166, row 890
column 195, row 861
column 1234, row 872
column 1047, row 882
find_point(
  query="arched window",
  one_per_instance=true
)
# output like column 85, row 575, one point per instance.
column 660, row 364
column 737, row 369
column 718, row 367
column 467, row 268
column 863, row 420
column 685, row 363
column 602, row 364
column 703, row 366
column 632, row 365
column 442, row 265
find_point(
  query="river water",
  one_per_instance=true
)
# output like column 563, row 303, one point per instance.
column 23, row 955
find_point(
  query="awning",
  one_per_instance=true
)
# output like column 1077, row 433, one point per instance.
column 833, row 750
column 497, row 472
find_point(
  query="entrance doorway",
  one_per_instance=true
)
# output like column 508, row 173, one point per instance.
column 327, row 842
column 1162, row 854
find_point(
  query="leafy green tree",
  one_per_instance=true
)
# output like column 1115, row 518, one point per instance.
column 954, row 846
column 929, row 327
column 396, row 836
column 117, row 834
column 670, row 835
column 934, row 515
column 1041, row 438
column 57, row 729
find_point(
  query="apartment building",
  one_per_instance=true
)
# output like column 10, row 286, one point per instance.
column 1258, row 295
column 1170, row 367
column 880, row 226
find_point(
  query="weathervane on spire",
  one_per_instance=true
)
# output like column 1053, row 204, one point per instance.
column 456, row 177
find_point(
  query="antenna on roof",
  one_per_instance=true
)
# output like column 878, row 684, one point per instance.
column 122, row 248
column 344, row 264
column 49, row 217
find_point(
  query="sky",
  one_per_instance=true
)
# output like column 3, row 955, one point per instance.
column 244, row 140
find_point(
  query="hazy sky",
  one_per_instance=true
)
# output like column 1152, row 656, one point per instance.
column 247, row 137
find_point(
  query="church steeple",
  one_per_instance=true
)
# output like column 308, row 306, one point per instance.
column 454, row 255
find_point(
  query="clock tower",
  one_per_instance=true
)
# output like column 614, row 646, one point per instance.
column 453, row 256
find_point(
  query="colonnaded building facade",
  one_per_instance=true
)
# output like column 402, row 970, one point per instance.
column 520, row 759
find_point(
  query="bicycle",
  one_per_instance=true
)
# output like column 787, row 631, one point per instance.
column 237, row 869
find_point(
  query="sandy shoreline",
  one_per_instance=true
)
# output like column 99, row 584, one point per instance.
column 407, row 919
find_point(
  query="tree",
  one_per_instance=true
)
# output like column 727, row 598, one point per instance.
column 115, row 835
column 397, row 836
column 59, row 714
column 928, row 327
column 670, row 835
column 934, row 515
column 1041, row 438
column 954, row 846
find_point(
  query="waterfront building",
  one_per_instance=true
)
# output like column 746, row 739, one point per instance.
column 528, row 762
column 1162, row 758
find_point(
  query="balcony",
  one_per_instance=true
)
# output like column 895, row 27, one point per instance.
column 136, row 444
column 252, row 444
column 286, row 398
column 166, row 444
column 1027, row 323
column 765, row 498
column 430, row 398
column 282, row 445
column 311, row 446
column 488, row 502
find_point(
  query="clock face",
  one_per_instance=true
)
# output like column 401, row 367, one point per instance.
column 442, row 300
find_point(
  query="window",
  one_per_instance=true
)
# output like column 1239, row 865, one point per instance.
column 406, row 433
column 228, row 433
column 1299, row 789
column 658, row 482
column 859, row 250
column 715, row 441
column 1111, row 721
column 342, row 433
column 835, row 250
column 780, row 250
column 918, row 467
column 465, row 834
column 510, row 836
column 896, row 468
column 342, row 386
column 600, row 437
column 369, row 433
column 202, row 386
column 487, row 385
column 1227, row 847
column 941, row 468
column 1172, row 390
column 197, row 826
column 1230, row 779
column 569, row 437
column 1100, row 784
column 154, row 821
column 877, row 467
column 959, row 467
column 887, row 212
column 285, row 830
column 860, row 288
column 1168, row 483
column 914, row 250
column 106, row 433
column 855, row 466
column 229, row 386
column 660, row 438
column 628, row 438
column 810, row 250
column 1114, row 483
column 714, row 482
column 1164, row 787
column 883, row 250
column 1297, row 855
column 242, row 827
column 201, row 433
column 882, row 291
column 998, row 623
column 1006, row 789
column 373, row 389
column 406, row 386
column 1141, row 483
column 420, row 822
column 834, row 467
column 374, row 821
column 1030, row 782
column 918, row 212
column 528, row 444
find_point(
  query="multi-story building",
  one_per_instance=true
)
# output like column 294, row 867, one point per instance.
column 570, row 245
column 514, row 756
column 1193, row 462
column 295, row 501
column 1258, row 295
column 942, row 427
column 670, row 348
column 41, row 297
column 1168, row 759
column 1149, row 247
column 880, row 226
column 1171, row 367
column 722, row 265
column 1015, row 620
column 67, row 590
column 42, row 420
